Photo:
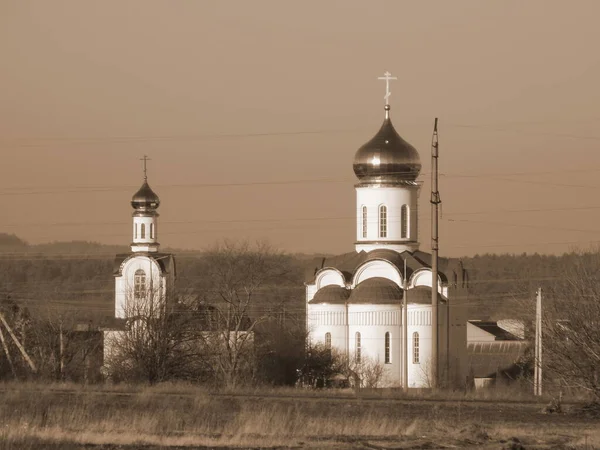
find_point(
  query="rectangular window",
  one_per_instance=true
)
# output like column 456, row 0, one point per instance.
column 143, row 231
column 328, row 341
column 357, row 349
column 151, row 231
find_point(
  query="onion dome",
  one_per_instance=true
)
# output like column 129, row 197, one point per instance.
column 332, row 294
column 377, row 290
column 387, row 158
column 145, row 199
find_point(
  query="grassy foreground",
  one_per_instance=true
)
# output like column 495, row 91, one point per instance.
column 36, row 416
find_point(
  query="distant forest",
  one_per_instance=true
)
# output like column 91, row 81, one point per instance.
column 77, row 278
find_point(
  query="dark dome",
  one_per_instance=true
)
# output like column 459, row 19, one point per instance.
column 377, row 290
column 387, row 157
column 422, row 295
column 145, row 198
column 331, row 294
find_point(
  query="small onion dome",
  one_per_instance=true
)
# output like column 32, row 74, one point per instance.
column 145, row 198
column 331, row 294
column 378, row 291
column 387, row 158
column 421, row 295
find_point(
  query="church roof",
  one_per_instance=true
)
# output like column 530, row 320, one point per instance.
column 331, row 294
column 347, row 263
column 376, row 290
column 166, row 261
column 421, row 295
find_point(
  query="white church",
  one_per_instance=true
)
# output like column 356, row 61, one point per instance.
column 355, row 301
column 144, row 278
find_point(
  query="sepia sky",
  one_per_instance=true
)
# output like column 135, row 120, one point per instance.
column 251, row 112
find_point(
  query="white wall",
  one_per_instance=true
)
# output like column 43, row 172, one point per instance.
column 124, row 285
column 372, row 322
column 325, row 318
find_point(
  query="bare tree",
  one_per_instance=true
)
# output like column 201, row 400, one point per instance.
column 571, row 325
column 159, row 341
column 242, row 286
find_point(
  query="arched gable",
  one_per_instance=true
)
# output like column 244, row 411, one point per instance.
column 422, row 277
column 377, row 268
column 329, row 276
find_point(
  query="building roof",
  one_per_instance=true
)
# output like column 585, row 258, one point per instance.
column 376, row 291
column 347, row 263
column 166, row 261
column 331, row 294
column 421, row 295
column 500, row 334
column 387, row 158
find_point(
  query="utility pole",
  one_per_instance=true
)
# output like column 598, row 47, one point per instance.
column 405, row 333
column 435, row 201
column 537, row 376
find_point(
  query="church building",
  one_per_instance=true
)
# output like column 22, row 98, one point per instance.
column 356, row 301
column 144, row 277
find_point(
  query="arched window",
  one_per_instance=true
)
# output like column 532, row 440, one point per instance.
column 382, row 221
column 415, row 348
column 364, row 221
column 151, row 231
column 143, row 231
column 328, row 341
column 388, row 348
column 404, row 220
column 139, row 284
column 357, row 349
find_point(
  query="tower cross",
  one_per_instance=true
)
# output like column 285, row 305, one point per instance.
column 145, row 159
column 387, row 77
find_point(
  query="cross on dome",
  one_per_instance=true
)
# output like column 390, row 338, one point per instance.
column 387, row 77
column 145, row 159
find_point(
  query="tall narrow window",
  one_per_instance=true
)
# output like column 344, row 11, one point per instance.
column 328, row 341
column 139, row 284
column 151, row 231
column 364, row 221
column 143, row 231
column 382, row 221
column 388, row 354
column 415, row 348
column 357, row 350
column 404, row 219
column 135, row 230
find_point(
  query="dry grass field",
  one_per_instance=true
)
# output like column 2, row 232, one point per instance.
column 68, row 417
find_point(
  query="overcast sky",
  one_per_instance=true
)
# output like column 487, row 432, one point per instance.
column 273, row 98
